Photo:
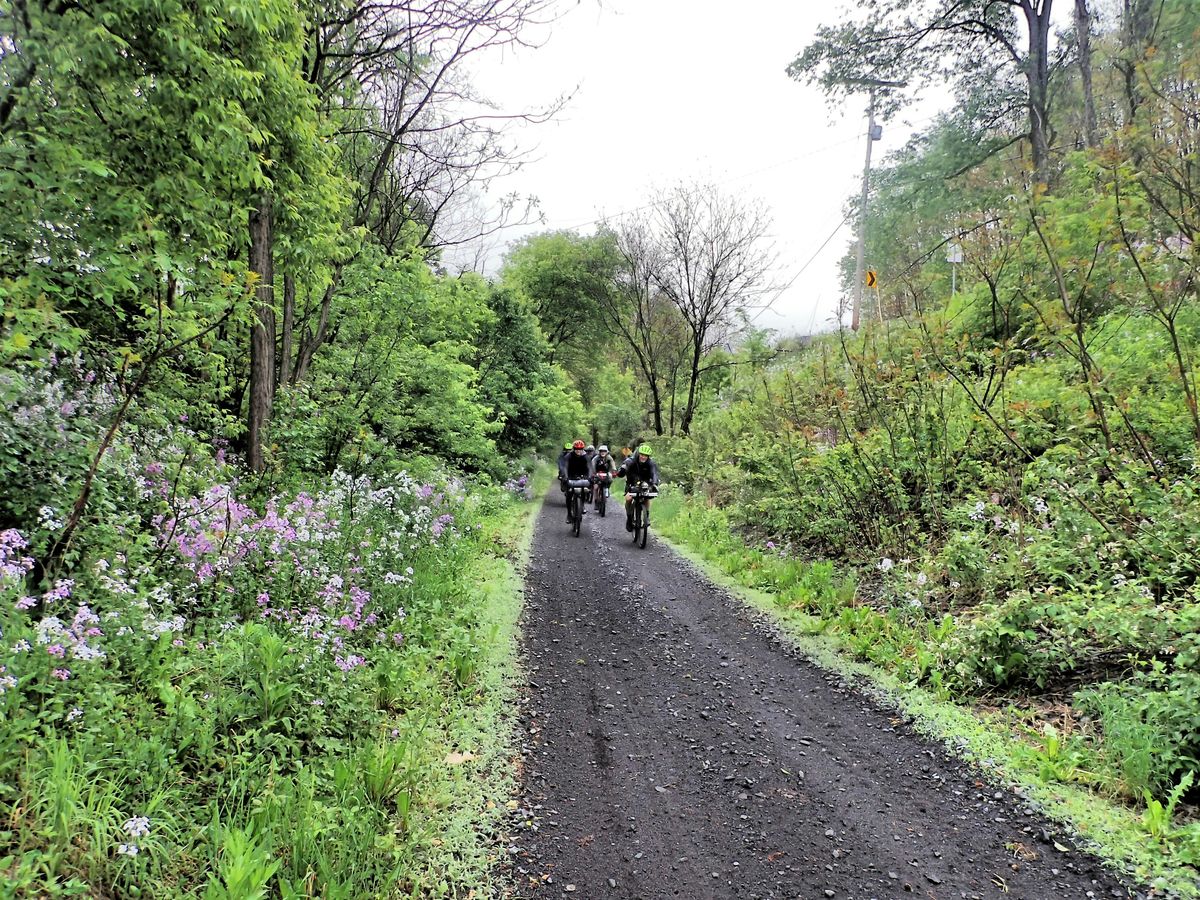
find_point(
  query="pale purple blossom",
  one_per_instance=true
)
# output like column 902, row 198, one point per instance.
column 61, row 591
column 137, row 826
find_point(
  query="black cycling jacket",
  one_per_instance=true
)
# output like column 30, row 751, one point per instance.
column 578, row 466
column 635, row 471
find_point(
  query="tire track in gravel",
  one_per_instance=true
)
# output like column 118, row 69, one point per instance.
column 678, row 748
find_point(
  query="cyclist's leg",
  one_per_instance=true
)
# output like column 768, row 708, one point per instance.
column 629, row 512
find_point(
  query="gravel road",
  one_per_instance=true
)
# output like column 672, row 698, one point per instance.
column 676, row 747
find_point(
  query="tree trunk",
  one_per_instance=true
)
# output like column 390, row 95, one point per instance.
column 313, row 340
column 685, row 423
column 1037, row 72
column 262, row 335
column 289, row 325
column 674, row 380
column 656, row 402
column 1083, row 34
column 1137, row 27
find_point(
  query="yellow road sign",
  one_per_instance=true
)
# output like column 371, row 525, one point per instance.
column 871, row 280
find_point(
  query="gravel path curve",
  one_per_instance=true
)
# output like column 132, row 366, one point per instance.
column 677, row 748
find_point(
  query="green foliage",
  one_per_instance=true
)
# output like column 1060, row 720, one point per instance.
column 569, row 281
column 204, row 691
column 259, row 766
column 523, row 390
column 1158, row 816
column 128, row 179
column 1151, row 727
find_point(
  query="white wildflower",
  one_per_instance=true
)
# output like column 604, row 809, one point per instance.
column 138, row 826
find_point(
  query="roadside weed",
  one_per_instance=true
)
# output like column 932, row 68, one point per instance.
column 1158, row 817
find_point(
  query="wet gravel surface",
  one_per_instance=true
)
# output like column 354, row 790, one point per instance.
column 676, row 747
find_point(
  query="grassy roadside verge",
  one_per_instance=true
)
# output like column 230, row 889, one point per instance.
column 475, row 736
column 318, row 704
column 814, row 606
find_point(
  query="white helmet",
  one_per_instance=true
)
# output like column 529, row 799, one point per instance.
column 603, row 448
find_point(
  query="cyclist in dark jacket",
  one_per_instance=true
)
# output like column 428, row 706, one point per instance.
column 562, row 469
column 562, row 461
column 576, row 467
column 640, row 467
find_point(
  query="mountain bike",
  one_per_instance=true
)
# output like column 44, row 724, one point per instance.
column 577, row 491
column 600, row 491
column 641, row 492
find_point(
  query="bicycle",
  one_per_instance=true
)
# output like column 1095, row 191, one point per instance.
column 577, row 489
column 600, row 491
column 641, row 492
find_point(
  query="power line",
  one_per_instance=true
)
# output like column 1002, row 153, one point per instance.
column 811, row 259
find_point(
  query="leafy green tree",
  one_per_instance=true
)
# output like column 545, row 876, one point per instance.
column 130, row 178
column 524, row 391
column 972, row 44
column 569, row 280
column 400, row 375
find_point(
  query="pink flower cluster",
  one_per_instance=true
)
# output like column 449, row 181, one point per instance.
column 309, row 560
column 217, row 531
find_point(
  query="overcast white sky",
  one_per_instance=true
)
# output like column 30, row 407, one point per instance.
column 681, row 89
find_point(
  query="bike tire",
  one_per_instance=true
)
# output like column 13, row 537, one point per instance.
column 601, row 503
column 645, row 534
column 637, row 521
column 578, row 516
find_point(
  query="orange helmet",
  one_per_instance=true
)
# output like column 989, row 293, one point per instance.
column 578, row 445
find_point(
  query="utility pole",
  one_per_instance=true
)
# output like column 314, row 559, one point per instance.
column 954, row 256
column 874, row 133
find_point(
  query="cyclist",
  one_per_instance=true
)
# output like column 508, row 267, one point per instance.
column 604, row 468
column 562, row 467
column 639, row 467
column 575, row 466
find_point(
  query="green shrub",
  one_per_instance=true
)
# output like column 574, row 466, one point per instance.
column 1151, row 727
